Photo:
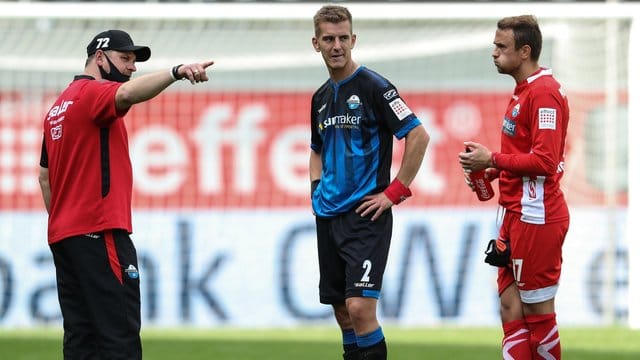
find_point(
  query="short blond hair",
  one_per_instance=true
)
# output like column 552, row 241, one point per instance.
column 331, row 13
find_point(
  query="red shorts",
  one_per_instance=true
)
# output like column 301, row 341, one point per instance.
column 536, row 257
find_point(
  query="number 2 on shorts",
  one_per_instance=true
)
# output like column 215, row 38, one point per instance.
column 366, row 265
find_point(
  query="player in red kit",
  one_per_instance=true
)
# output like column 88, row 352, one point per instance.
column 529, row 166
column 86, row 180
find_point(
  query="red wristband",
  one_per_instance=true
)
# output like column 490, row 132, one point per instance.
column 397, row 192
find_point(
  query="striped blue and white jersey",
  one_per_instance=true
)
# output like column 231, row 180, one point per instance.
column 352, row 127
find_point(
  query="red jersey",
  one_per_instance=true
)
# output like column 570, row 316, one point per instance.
column 531, row 159
column 86, row 150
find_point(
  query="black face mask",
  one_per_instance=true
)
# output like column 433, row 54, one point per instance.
column 114, row 74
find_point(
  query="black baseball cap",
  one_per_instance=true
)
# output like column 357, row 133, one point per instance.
column 120, row 41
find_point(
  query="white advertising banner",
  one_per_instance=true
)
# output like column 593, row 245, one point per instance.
column 258, row 268
column 225, row 235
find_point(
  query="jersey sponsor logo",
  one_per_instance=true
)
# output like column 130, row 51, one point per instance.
column 547, row 118
column 56, row 132
column 509, row 127
column 59, row 109
column 341, row 121
column 390, row 94
column 353, row 102
column 400, row 109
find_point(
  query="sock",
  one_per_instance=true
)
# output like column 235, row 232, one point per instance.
column 372, row 346
column 545, row 338
column 349, row 345
column 515, row 343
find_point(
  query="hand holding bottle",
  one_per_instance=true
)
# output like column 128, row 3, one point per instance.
column 480, row 184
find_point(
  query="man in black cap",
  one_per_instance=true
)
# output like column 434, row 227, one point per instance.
column 116, row 40
column 86, row 182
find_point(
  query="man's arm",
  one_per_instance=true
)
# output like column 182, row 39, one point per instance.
column 416, row 143
column 315, row 169
column 546, row 147
column 147, row 86
column 45, row 187
column 315, row 166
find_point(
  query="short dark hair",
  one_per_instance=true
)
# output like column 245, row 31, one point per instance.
column 525, row 32
column 331, row 13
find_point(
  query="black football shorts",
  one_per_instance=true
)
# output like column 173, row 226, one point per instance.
column 352, row 254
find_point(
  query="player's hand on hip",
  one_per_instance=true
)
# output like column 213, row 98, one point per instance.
column 374, row 204
column 196, row 72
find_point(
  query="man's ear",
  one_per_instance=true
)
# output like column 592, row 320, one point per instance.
column 315, row 44
column 525, row 52
column 99, row 57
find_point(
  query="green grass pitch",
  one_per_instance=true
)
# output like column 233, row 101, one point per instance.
column 323, row 343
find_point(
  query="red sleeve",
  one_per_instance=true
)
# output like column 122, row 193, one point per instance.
column 103, row 107
column 546, row 116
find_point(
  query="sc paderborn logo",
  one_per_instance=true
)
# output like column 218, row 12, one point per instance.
column 353, row 102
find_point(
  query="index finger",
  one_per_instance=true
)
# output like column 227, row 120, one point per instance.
column 206, row 64
column 470, row 144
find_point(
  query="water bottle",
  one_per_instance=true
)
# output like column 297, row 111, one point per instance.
column 481, row 185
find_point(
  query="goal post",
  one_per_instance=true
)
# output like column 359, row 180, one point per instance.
column 237, row 146
column 634, row 174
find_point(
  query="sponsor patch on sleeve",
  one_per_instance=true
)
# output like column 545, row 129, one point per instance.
column 547, row 118
column 400, row 109
column 390, row 94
